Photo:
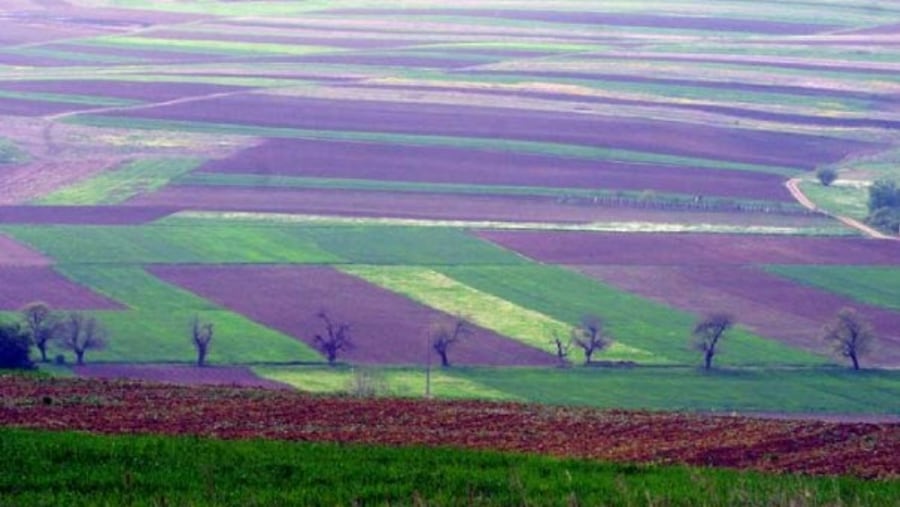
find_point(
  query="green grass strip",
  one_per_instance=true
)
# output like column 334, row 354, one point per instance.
column 878, row 286
column 805, row 390
column 119, row 185
column 486, row 310
column 150, row 244
column 637, row 322
column 402, row 382
column 277, row 181
column 236, row 48
column 78, row 469
column 156, row 326
column 501, row 145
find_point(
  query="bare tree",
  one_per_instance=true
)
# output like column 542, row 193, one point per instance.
column 588, row 336
column 201, row 336
column 708, row 332
column 42, row 325
column 336, row 338
column 80, row 334
column 850, row 335
column 445, row 333
column 562, row 350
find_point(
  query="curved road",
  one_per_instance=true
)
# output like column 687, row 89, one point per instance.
column 793, row 186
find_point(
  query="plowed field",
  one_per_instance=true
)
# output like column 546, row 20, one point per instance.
column 866, row 450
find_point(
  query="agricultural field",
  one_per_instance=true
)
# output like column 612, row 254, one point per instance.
column 516, row 165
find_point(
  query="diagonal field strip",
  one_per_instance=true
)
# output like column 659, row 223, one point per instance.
column 491, row 312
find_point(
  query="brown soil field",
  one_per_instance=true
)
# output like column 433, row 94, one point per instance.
column 422, row 206
column 20, row 285
column 16, row 107
column 582, row 248
column 13, row 253
column 179, row 374
column 770, row 305
column 813, row 447
column 334, row 159
column 386, row 327
column 733, row 144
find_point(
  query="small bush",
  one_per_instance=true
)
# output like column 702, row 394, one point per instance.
column 826, row 176
column 59, row 360
column 15, row 347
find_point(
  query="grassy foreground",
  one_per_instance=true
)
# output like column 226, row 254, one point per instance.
column 48, row 468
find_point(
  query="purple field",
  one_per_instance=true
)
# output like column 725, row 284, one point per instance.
column 20, row 285
column 140, row 90
column 325, row 159
column 84, row 215
column 386, row 328
column 770, row 305
column 739, row 145
column 583, row 248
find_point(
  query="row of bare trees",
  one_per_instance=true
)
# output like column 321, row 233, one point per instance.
column 73, row 331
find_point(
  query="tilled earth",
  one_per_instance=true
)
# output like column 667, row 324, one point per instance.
column 815, row 447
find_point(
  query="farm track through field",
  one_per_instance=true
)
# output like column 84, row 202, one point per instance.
column 793, row 186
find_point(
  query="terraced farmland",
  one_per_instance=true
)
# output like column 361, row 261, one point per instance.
column 516, row 164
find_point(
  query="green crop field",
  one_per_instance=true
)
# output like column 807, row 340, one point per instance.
column 172, row 244
column 636, row 322
column 113, row 187
column 155, row 326
column 75, row 469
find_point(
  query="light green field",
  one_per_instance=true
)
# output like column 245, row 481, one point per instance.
column 636, row 322
column 879, row 286
column 488, row 311
column 841, row 200
column 162, row 244
column 205, row 46
column 501, row 145
column 400, row 382
column 155, row 327
column 805, row 390
column 121, row 184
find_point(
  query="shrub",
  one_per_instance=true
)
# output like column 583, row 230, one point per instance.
column 15, row 347
column 826, row 176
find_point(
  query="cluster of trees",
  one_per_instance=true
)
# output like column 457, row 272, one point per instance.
column 884, row 206
column 42, row 328
column 849, row 335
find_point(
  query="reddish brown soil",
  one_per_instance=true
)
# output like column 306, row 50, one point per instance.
column 21, row 285
column 430, row 206
column 386, row 328
column 149, row 91
column 179, row 374
column 777, row 148
column 87, row 215
column 815, row 447
column 16, row 254
column 768, row 304
column 582, row 248
column 325, row 159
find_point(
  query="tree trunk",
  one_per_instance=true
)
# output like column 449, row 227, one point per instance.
column 707, row 360
column 201, row 356
column 855, row 361
column 79, row 356
column 43, row 348
column 445, row 363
